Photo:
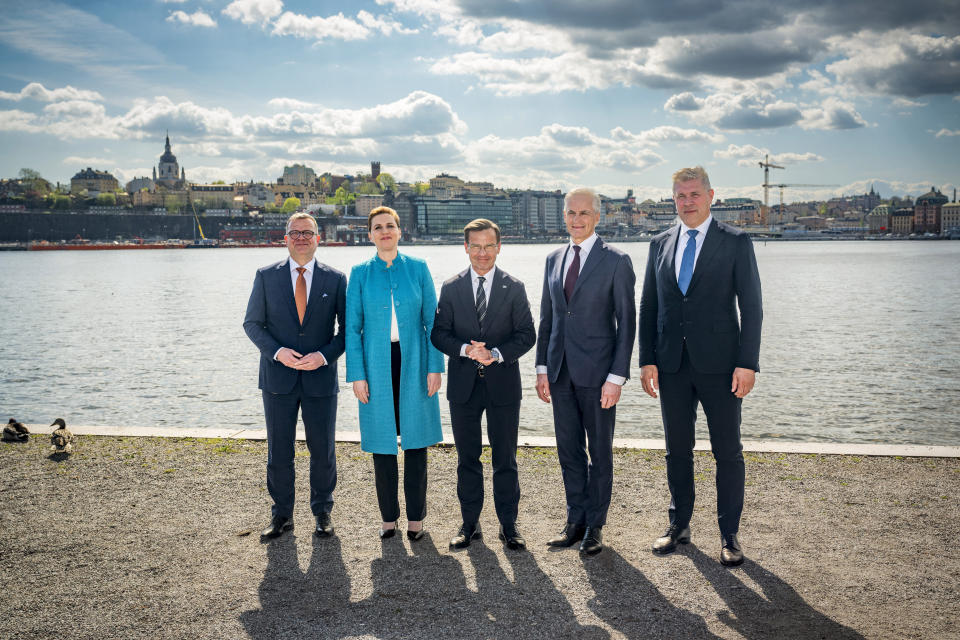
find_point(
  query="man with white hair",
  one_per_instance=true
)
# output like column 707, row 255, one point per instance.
column 587, row 328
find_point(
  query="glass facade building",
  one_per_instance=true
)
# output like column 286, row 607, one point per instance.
column 448, row 216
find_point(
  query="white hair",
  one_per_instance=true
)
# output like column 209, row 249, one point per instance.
column 583, row 191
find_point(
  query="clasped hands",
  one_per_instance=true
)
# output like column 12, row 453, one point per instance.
column 293, row 359
column 478, row 351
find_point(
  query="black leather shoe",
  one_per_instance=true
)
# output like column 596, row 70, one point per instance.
column 278, row 524
column 465, row 535
column 668, row 541
column 511, row 537
column 416, row 535
column 569, row 535
column 388, row 533
column 592, row 541
column 324, row 526
column 731, row 554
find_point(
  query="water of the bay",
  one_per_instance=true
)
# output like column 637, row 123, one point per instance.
column 860, row 340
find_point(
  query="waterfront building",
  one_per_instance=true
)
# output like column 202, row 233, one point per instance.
column 879, row 220
column 140, row 184
column 926, row 212
column 168, row 173
column 257, row 194
column 950, row 219
column 215, row 196
column 737, row 211
column 306, row 194
column 537, row 212
column 93, row 182
column 446, row 186
column 448, row 216
column 901, row 221
column 366, row 202
column 298, row 175
column 812, row 223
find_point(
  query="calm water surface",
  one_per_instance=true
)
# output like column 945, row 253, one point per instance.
column 860, row 340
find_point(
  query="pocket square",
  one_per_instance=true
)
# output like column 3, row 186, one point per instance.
column 324, row 296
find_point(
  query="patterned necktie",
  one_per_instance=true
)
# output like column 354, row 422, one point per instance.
column 481, row 301
column 572, row 274
column 300, row 294
column 686, row 264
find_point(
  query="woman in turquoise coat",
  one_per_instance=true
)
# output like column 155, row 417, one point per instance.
column 391, row 304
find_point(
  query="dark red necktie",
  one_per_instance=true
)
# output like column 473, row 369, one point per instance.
column 571, row 280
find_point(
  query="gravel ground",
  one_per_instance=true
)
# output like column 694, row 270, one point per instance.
column 158, row 538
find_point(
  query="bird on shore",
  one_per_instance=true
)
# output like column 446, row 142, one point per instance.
column 61, row 440
column 14, row 431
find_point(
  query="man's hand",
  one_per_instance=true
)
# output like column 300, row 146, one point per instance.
column 743, row 381
column 478, row 351
column 609, row 394
column 649, row 379
column 310, row 362
column 362, row 391
column 543, row 387
column 433, row 384
column 288, row 357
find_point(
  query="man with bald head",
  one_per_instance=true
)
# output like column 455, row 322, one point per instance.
column 587, row 328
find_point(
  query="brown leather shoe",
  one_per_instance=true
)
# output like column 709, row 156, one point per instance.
column 668, row 541
column 731, row 553
column 569, row 536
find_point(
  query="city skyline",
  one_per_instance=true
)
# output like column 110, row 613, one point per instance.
column 524, row 95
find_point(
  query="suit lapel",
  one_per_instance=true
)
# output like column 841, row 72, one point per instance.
column 286, row 286
column 556, row 278
column 711, row 242
column 499, row 289
column 668, row 261
column 467, row 301
column 595, row 257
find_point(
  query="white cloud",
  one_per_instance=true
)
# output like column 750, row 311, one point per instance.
column 253, row 11
column 36, row 91
column 665, row 134
column 337, row 27
column 832, row 114
column 748, row 155
column 685, row 101
column 948, row 133
column 198, row 18
column 84, row 161
column 383, row 25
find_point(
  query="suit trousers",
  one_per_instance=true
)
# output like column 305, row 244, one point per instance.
column 319, row 423
column 502, row 422
column 583, row 428
column 385, row 466
column 680, row 393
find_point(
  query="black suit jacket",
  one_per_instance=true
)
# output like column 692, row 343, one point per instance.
column 597, row 328
column 508, row 327
column 271, row 322
column 725, row 278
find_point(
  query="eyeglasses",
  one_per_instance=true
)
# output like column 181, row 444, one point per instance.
column 477, row 248
column 296, row 235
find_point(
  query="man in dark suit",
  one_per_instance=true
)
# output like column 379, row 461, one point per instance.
column 484, row 324
column 695, row 351
column 587, row 329
column 295, row 317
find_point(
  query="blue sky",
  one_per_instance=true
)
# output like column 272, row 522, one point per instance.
column 614, row 94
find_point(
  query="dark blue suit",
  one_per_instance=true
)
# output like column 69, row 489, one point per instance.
column 580, row 343
column 271, row 322
column 696, row 341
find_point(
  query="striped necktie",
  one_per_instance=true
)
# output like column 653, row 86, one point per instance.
column 481, row 301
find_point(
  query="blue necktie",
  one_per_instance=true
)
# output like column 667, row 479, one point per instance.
column 686, row 264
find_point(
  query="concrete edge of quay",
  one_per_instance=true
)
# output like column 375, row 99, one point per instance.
column 753, row 446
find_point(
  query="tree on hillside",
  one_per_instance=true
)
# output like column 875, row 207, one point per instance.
column 290, row 205
column 34, row 183
column 421, row 188
column 369, row 188
column 386, row 182
column 106, row 200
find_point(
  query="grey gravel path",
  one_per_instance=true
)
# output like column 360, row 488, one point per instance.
column 157, row 538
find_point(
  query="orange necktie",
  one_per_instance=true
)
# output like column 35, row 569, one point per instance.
column 300, row 294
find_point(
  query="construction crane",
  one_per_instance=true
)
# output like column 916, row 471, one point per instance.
column 784, row 186
column 766, row 166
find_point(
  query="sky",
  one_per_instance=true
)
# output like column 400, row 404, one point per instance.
column 543, row 94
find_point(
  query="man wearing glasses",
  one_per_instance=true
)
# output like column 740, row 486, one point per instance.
column 295, row 316
column 484, row 324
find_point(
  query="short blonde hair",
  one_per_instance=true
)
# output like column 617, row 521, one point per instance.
column 379, row 211
column 693, row 173
column 302, row 215
column 583, row 191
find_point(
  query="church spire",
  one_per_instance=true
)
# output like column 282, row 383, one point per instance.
column 168, row 141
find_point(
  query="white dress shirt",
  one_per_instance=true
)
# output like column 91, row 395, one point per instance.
column 487, row 288
column 585, row 247
column 684, row 239
column 308, row 277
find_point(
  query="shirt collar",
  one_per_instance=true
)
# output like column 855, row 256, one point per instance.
column 293, row 266
column 586, row 245
column 475, row 277
column 701, row 228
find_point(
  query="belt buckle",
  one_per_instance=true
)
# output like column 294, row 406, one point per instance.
column 480, row 370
